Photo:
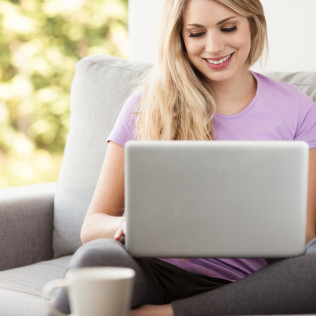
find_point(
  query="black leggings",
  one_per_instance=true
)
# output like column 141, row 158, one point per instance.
column 287, row 286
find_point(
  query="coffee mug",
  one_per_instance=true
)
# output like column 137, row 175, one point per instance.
column 95, row 291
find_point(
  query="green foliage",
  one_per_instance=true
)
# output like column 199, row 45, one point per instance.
column 40, row 43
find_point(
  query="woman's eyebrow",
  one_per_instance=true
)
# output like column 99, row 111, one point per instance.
column 218, row 23
column 225, row 20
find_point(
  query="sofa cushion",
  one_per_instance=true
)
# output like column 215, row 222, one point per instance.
column 21, row 288
column 26, row 224
column 100, row 88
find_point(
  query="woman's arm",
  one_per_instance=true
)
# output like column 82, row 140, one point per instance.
column 311, row 202
column 104, row 216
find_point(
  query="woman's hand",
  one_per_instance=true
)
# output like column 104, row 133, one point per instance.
column 120, row 233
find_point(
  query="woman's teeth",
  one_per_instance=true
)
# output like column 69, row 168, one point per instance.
column 217, row 62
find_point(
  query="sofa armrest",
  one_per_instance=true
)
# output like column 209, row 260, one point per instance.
column 26, row 224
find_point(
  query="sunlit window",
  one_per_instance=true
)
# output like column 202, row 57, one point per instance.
column 40, row 43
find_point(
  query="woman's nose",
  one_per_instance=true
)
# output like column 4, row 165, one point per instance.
column 214, row 44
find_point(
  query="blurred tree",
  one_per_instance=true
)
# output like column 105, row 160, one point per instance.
column 40, row 42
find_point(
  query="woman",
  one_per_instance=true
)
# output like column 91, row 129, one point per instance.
column 202, row 89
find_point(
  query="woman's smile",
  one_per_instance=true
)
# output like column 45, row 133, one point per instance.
column 219, row 63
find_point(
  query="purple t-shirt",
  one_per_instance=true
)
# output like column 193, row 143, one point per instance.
column 278, row 111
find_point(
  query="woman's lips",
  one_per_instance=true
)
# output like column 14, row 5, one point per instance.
column 220, row 62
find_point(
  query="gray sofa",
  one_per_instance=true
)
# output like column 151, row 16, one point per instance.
column 40, row 224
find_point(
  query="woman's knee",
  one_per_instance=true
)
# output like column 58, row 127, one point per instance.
column 100, row 252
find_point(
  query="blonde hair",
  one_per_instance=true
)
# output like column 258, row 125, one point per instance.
column 177, row 102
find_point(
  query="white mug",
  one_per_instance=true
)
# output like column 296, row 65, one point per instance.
column 95, row 291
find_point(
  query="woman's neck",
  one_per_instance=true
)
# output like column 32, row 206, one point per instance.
column 234, row 95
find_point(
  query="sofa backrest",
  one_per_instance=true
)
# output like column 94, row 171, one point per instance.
column 100, row 87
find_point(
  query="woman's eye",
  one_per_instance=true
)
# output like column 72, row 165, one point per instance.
column 196, row 34
column 230, row 29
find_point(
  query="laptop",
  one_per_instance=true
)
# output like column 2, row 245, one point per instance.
column 215, row 198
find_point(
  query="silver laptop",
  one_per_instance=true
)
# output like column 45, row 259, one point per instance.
column 215, row 198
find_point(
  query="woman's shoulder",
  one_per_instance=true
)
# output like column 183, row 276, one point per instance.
column 269, row 81
column 134, row 97
column 129, row 107
column 281, row 90
column 124, row 126
column 292, row 110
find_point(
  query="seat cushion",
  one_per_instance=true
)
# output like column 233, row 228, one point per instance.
column 100, row 88
column 21, row 288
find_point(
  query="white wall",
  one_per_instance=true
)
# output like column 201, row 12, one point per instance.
column 143, row 16
column 291, row 30
column 292, row 34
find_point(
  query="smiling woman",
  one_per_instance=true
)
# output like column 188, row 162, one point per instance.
column 201, row 88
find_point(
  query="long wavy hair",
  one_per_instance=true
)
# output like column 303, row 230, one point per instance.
column 177, row 101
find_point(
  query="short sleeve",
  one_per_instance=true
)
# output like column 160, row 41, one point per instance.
column 306, row 129
column 124, row 126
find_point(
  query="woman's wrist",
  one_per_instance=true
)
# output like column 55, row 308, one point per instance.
column 100, row 225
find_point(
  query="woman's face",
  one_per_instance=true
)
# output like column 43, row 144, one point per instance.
column 216, row 38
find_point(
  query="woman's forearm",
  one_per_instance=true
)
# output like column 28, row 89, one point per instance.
column 100, row 225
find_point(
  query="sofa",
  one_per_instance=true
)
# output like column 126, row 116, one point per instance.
column 40, row 224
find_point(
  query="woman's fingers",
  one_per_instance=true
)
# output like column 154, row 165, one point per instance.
column 120, row 233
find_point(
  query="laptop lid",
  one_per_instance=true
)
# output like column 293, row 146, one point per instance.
column 216, row 198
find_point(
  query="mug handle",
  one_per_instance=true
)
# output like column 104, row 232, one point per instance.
column 48, row 288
